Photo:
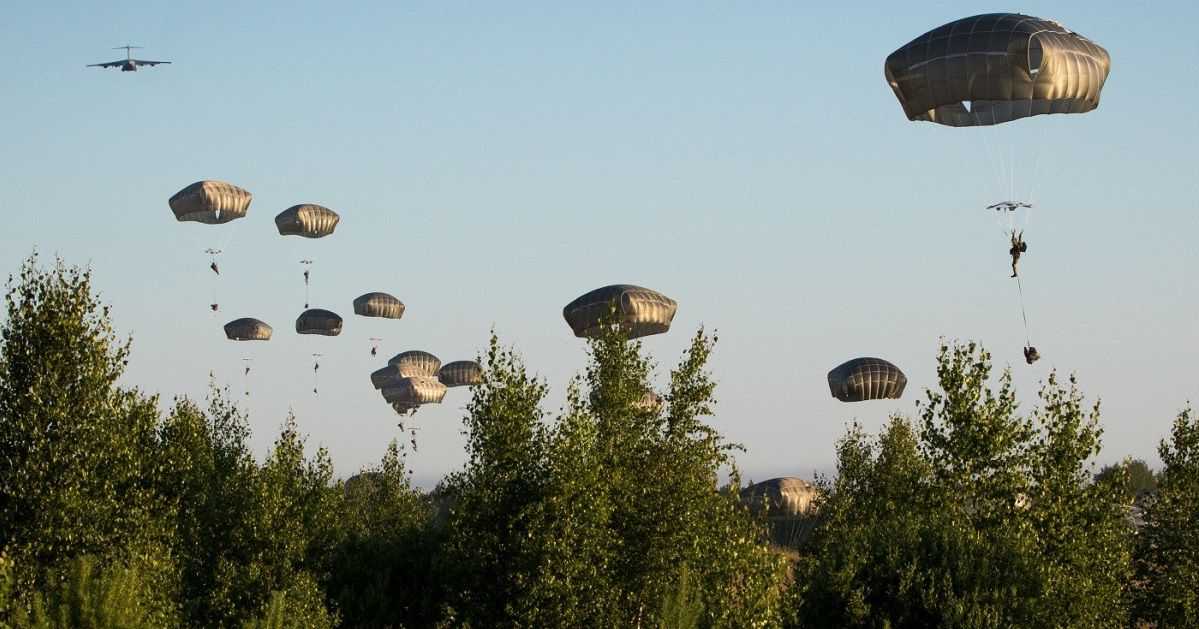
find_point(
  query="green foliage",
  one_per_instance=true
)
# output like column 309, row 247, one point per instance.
column 681, row 609
column 85, row 595
column 977, row 518
column 589, row 522
column 1134, row 474
column 300, row 606
column 77, row 464
column 381, row 571
column 243, row 530
column 1167, row 558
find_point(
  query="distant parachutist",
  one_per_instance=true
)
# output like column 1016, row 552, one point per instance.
column 316, row 365
column 214, row 307
column 215, row 268
column 1030, row 355
column 375, row 345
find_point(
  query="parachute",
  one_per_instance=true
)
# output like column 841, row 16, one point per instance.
column 378, row 305
column 996, row 68
column 415, row 391
column 318, row 321
column 415, row 363
column 863, row 379
column 308, row 220
column 386, row 377
column 639, row 311
column 461, row 373
column 247, row 329
column 210, row 202
column 650, row 402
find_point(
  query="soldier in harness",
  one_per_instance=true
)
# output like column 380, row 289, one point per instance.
column 1030, row 355
column 1018, row 247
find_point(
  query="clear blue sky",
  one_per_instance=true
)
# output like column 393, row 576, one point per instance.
column 491, row 164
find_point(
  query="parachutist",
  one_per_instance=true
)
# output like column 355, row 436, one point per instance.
column 305, row 278
column 215, row 307
column 1030, row 355
column 247, row 371
column 215, row 269
column 1018, row 247
column 374, row 351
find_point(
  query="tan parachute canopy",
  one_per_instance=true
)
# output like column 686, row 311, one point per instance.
column 994, row 68
column 308, row 220
column 379, row 305
column 640, row 311
column 210, row 202
column 247, row 329
column 318, row 321
column 863, row 379
column 461, row 373
column 416, row 363
column 650, row 402
column 415, row 390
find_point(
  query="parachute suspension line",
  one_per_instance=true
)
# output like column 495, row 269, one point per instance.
column 1023, row 313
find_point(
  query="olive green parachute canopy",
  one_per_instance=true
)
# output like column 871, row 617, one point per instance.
column 247, row 329
column 866, row 379
column 415, row 390
column 388, row 376
column 416, row 363
column 461, row 373
column 786, row 496
column 995, row 68
column 379, row 305
column 639, row 311
column 318, row 321
column 210, row 202
column 308, row 220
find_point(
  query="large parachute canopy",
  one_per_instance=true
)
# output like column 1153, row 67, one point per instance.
column 786, row 497
column 318, row 321
column 639, row 311
column 415, row 363
column 461, row 373
column 378, row 305
column 415, row 390
column 247, row 329
column 308, row 220
column 995, row 68
column 863, row 379
column 210, row 202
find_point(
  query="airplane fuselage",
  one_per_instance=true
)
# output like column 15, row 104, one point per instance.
column 129, row 66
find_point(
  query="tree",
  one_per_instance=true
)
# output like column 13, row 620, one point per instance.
column 975, row 517
column 595, row 519
column 1167, row 557
column 381, row 572
column 77, row 464
column 1135, row 474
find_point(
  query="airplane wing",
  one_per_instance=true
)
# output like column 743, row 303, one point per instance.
column 110, row 64
column 142, row 62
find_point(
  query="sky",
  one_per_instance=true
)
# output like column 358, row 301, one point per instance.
column 491, row 163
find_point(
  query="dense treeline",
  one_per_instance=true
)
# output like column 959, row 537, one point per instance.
column 113, row 514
